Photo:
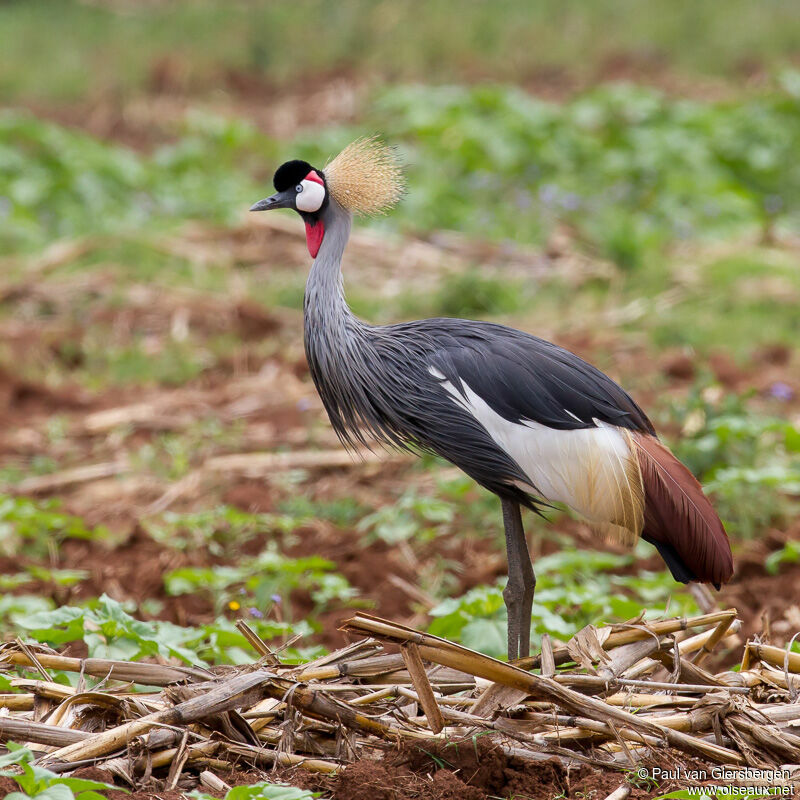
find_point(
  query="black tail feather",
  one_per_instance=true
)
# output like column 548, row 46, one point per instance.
column 675, row 563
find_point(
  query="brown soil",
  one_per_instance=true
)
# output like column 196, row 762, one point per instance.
column 135, row 571
column 469, row 770
column 21, row 399
column 385, row 576
column 279, row 410
column 768, row 604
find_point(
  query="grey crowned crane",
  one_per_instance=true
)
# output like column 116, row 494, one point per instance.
column 528, row 420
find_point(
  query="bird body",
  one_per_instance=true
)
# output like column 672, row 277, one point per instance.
column 526, row 419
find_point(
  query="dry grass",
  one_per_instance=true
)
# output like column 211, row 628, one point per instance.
column 613, row 697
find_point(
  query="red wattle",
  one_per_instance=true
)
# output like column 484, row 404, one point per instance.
column 314, row 234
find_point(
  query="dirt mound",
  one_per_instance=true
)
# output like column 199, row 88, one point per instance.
column 22, row 398
column 767, row 603
column 135, row 571
column 474, row 769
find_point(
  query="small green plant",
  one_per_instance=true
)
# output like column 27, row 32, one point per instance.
column 13, row 606
column 261, row 791
column 34, row 528
column 109, row 631
column 217, row 529
column 574, row 588
column 263, row 581
column 58, row 577
column 412, row 515
column 750, row 463
column 641, row 780
column 37, row 783
column 788, row 554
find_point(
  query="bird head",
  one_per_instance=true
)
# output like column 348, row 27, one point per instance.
column 301, row 187
column 365, row 178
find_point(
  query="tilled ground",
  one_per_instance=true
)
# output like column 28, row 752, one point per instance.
column 259, row 396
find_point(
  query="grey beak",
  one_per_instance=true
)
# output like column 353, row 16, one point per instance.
column 279, row 200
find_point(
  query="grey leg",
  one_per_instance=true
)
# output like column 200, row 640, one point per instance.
column 518, row 593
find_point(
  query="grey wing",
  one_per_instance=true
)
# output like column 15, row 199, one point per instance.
column 525, row 378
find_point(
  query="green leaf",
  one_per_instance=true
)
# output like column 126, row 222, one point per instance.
column 269, row 791
column 56, row 791
column 486, row 636
column 84, row 785
column 17, row 754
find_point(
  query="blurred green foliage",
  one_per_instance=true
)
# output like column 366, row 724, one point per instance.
column 631, row 170
column 788, row 554
column 221, row 530
column 263, row 582
column 34, row 528
column 412, row 515
column 55, row 182
column 67, row 49
column 750, row 463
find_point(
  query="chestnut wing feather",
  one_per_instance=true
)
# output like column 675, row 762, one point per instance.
column 679, row 516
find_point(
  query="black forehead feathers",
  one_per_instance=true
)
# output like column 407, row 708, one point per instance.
column 290, row 174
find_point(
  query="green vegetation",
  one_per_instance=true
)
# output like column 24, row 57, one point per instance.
column 749, row 462
column 630, row 169
column 198, row 44
column 110, row 632
column 574, row 588
column 59, row 183
column 411, row 516
column 261, row 791
column 622, row 219
column 264, row 581
column 33, row 528
column 788, row 554
column 38, row 783
column 220, row 529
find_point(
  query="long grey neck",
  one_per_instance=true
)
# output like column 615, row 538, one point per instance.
column 337, row 343
column 325, row 307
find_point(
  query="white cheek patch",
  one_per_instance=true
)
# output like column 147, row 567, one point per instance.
column 310, row 199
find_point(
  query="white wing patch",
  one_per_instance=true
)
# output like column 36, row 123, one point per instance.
column 594, row 471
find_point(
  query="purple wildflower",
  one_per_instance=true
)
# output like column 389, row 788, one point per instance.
column 781, row 391
column 570, row 201
column 548, row 194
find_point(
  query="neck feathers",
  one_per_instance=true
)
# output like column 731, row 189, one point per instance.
column 336, row 342
column 324, row 299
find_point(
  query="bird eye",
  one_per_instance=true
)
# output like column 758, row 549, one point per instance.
column 298, row 188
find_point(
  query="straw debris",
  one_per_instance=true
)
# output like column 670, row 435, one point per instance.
column 611, row 697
